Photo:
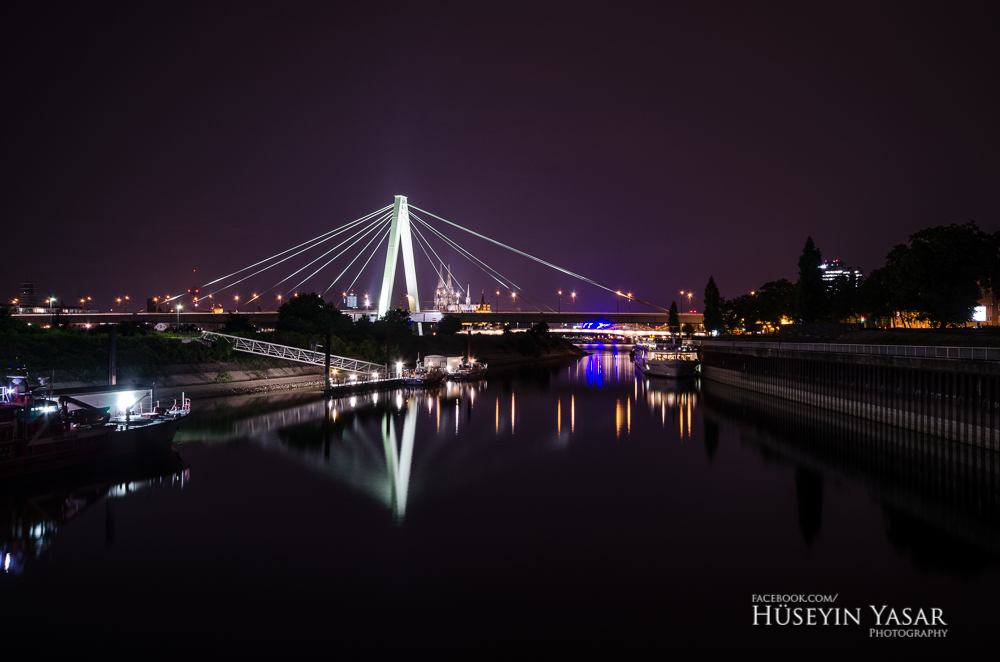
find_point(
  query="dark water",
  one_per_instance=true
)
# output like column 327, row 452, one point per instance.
column 556, row 510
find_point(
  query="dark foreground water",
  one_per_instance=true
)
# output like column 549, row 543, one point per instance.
column 559, row 510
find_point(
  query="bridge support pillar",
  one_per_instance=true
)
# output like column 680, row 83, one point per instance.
column 399, row 235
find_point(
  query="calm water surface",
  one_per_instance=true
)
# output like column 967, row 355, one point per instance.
column 575, row 506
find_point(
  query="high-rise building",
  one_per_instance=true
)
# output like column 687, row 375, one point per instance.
column 26, row 295
column 833, row 269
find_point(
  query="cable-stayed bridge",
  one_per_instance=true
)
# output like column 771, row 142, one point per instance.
column 392, row 230
column 347, row 251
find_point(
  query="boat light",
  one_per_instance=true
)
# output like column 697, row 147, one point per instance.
column 125, row 399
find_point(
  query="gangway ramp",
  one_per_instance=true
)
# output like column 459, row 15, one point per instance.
column 301, row 355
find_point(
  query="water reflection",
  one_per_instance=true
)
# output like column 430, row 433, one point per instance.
column 35, row 509
column 401, row 447
column 940, row 499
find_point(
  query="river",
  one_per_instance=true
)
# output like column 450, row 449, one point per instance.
column 576, row 505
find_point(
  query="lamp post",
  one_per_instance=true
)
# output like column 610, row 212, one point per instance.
column 574, row 301
column 618, row 302
column 50, row 300
column 237, row 297
column 178, row 317
column 498, row 301
column 559, row 309
column 513, row 302
column 689, row 302
column 630, row 302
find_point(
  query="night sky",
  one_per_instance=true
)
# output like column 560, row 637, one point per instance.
column 644, row 145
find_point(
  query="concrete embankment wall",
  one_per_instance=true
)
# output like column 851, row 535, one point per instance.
column 956, row 399
column 216, row 379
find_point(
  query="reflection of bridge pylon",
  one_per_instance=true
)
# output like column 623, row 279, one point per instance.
column 399, row 234
column 398, row 463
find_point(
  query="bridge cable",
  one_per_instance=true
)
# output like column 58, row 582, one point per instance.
column 368, row 227
column 365, row 230
column 371, row 227
column 469, row 255
column 376, row 236
column 420, row 237
column 499, row 277
column 364, row 266
column 363, row 218
column 539, row 260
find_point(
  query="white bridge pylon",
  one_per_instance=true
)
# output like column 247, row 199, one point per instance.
column 400, row 235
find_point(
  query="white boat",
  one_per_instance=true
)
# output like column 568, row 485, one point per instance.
column 666, row 359
column 425, row 375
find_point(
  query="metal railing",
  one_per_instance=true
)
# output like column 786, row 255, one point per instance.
column 920, row 351
column 301, row 355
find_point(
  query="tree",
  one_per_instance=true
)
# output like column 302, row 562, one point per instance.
column 939, row 275
column 236, row 323
column 397, row 321
column 775, row 300
column 449, row 325
column 8, row 322
column 744, row 313
column 309, row 314
column 810, row 291
column 873, row 298
column 714, row 322
column 673, row 319
column 688, row 329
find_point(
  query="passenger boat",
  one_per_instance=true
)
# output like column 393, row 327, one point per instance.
column 666, row 359
column 42, row 429
column 424, row 375
column 468, row 371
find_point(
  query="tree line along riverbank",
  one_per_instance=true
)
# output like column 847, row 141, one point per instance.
column 80, row 356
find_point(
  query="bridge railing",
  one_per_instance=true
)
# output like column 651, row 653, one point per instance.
column 262, row 348
column 920, row 351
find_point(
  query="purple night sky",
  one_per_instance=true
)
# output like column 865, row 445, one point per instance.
column 643, row 145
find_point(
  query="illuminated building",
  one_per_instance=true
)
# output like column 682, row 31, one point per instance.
column 833, row 269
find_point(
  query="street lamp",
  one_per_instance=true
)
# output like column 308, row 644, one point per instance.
column 630, row 302
column 689, row 301
column 178, row 317
column 513, row 302
column 237, row 297
column 498, row 302
column 618, row 302
column 574, row 301
column 559, row 309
